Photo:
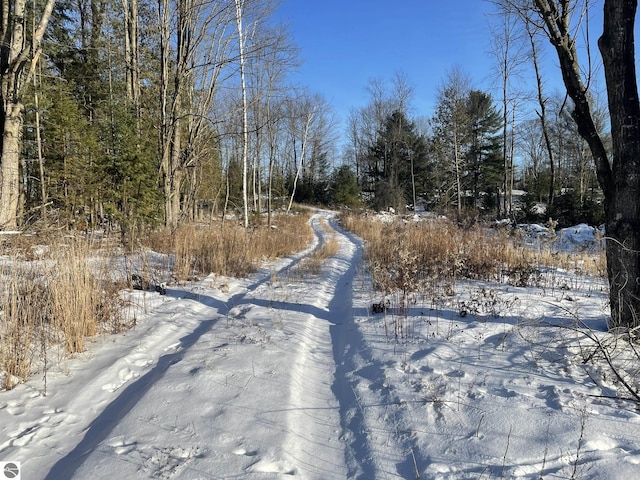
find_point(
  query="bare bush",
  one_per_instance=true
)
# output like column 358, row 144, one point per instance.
column 447, row 252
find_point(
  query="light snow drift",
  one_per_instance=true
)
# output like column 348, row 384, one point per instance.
column 288, row 374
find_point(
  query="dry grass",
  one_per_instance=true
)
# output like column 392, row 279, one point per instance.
column 411, row 260
column 22, row 315
column 54, row 303
column 82, row 297
column 404, row 252
column 58, row 291
column 229, row 249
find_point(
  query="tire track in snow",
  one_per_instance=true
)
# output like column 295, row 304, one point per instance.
column 326, row 429
column 131, row 390
column 333, row 308
column 315, row 440
column 366, row 435
column 348, row 345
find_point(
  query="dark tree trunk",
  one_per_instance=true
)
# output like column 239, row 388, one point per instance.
column 620, row 178
column 623, row 202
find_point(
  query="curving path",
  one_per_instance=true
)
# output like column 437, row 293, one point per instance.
column 251, row 383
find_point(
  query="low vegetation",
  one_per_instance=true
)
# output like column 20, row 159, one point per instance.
column 229, row 249
column 429, row 259
column 52, row 303
column 401, row 252
column 58, row 292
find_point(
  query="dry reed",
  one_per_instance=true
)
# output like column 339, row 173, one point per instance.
column 438, row 249
column 55, row 294
column 48, row 303
column 229, row 249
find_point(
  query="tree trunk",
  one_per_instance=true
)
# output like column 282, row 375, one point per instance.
column 130, row 15
column 303, row 152
column 172, row 108
column 620, row 181
column 43, row 188
column 16, row 52
column 245, row 108
column 10, row 166
column 176, row 173
column 623, row 200
column 505, row 129
column 456, row 159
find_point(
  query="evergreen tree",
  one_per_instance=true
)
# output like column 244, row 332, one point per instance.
column 484, row 159
column 70, row 146
column 397, row 163
column 344, row 187
column 467, row 147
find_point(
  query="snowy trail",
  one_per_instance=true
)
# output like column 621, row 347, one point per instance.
column 195, row 376
column 289, row 374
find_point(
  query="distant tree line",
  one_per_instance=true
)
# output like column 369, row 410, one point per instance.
column 454, row 161
column 134, row 113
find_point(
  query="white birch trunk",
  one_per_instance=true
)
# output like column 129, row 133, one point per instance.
column 245, row 134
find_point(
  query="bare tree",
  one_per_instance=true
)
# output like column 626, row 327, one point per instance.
column 245, row 109
column 542, row 112
column 196, row 41
column 507, row 48
column 302, row 113
column 618, row 176
column 18, row 57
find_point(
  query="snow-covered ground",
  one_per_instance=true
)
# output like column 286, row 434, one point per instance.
column 290, row 374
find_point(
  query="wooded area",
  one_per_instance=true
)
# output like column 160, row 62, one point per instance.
column 133, row 114
column 138, row 114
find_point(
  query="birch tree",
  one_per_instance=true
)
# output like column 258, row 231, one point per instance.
column 245, row 109
column 302, row 115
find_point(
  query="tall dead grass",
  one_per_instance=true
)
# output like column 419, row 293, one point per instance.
column 57, row 293
column 55, row 302
column 427, row 259
column 441, row 250
column 229, row 249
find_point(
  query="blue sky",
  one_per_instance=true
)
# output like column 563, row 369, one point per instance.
column 345, row 43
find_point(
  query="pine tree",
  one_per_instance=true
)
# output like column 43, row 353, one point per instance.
column 344, row 187
column 397, row 163
column 484, row 159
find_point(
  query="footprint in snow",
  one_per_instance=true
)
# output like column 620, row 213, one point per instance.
column 121, row 445
column 243, row 451
column 239, row 312
column 264, row 466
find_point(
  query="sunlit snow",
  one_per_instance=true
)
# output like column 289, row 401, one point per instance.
column 288, row 374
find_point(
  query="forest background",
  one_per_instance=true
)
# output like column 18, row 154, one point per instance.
column 137, row 114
